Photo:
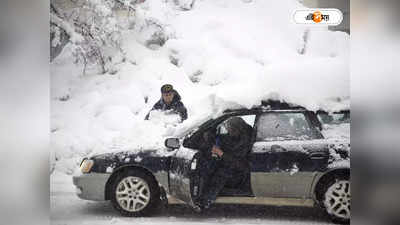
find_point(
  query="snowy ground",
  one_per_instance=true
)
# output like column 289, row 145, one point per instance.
column 68, row 209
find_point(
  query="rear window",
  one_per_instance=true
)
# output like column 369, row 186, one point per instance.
column 335, row 118
column 277, row 126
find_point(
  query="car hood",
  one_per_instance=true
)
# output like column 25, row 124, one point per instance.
column 123, row 156
column 148, row 158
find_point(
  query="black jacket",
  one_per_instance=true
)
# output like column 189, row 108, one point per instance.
column 176, row 106
column 236, row 149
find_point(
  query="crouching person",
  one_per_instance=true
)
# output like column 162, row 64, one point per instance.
column 231, row 166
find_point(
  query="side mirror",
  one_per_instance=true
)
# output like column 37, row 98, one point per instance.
column 172, row 143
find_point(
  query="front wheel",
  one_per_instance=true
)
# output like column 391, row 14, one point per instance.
column 136, row 194
column 337, row 200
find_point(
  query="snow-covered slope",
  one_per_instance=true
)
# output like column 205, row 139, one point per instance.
column 221, row 54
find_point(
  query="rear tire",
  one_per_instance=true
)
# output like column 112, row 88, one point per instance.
column 337, row 199
column 135, row 194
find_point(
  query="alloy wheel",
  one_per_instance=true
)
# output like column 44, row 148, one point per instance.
column 133, row 194
column 337, row 199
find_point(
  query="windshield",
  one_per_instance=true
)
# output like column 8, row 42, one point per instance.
column 191, row 126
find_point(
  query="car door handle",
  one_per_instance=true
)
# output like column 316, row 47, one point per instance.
column 318, row 156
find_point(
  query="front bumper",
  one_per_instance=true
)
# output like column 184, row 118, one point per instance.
column 91, row 186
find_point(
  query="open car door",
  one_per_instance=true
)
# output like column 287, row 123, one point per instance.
column 182, row 166
column 185, row 180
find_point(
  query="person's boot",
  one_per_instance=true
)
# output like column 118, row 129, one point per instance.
column 197, row 208
column 207, row 204
column 209, row 198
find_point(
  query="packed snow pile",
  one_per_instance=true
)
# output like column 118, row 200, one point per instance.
column 217, row 54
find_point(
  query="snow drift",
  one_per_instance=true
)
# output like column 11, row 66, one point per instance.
column 219, row 54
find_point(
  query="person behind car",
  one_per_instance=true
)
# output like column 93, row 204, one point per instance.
column 232, row 149
column 170, row 101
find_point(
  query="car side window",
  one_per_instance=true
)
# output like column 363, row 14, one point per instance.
column 206, row 138
column 249, row 119
column 277, row 126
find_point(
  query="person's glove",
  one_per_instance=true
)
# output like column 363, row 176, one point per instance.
column 216, row 152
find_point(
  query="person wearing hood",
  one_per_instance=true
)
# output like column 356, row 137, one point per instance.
column 233, row 167
column 170, row 100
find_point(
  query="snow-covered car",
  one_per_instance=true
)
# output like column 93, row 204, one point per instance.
column 291, row 164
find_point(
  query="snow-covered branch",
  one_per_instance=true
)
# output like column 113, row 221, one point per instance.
column 68, row 28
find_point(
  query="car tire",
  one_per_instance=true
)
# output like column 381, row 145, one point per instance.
column 135, row 194
column 336, row 199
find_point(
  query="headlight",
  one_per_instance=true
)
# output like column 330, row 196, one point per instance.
column 86, row 165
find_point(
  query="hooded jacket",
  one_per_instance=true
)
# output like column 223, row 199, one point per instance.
column 236, row 149
column 176, row 106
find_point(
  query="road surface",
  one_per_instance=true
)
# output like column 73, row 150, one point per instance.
column 68, row 209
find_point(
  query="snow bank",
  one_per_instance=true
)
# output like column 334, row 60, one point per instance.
column 216, row 60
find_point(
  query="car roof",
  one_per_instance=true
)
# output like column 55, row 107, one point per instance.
column 334, row 112
column 270, row 105
column 276, row 106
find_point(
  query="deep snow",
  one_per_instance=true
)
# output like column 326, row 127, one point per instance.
column 228, row 54
column 221, row 54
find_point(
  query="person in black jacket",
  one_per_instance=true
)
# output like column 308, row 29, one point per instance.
column 170, row 100
column 232, row 168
